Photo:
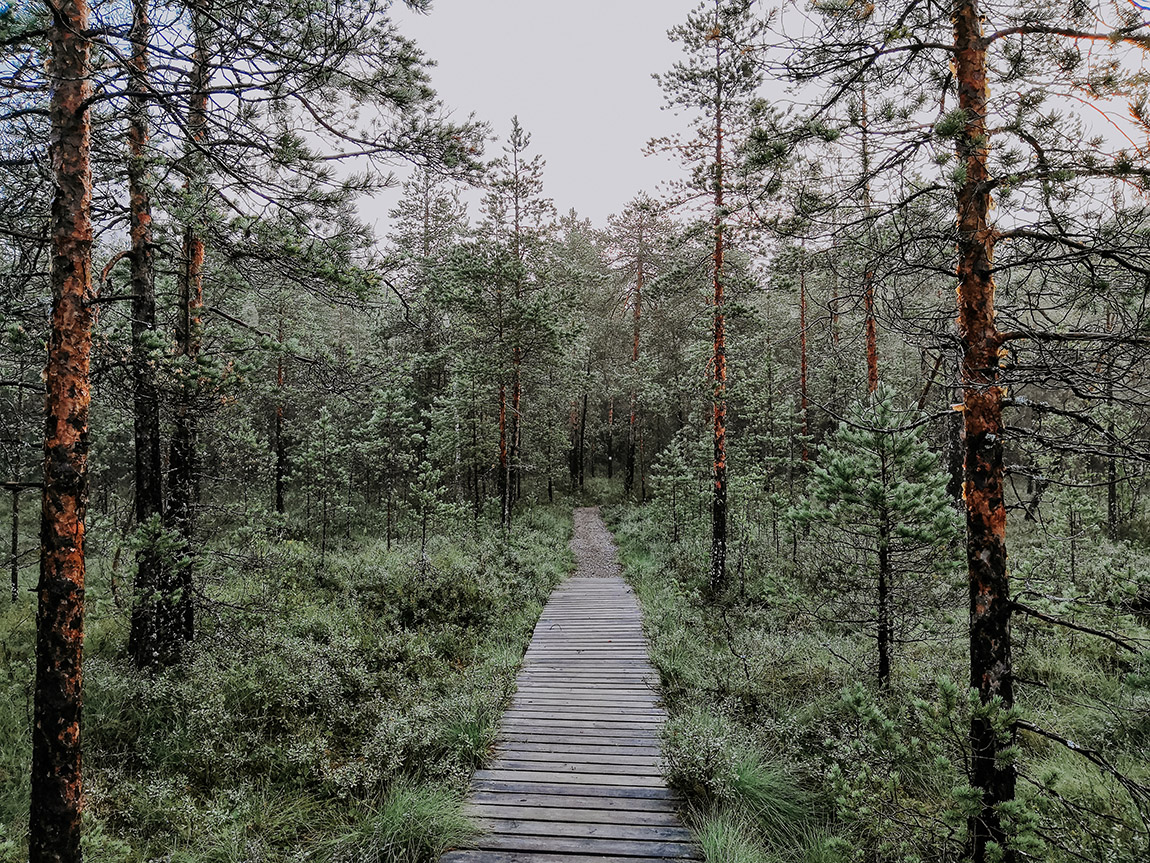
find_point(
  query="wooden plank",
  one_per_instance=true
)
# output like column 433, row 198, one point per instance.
column 512, row 786
column 588, row 714
column 600, row 801
column 481, row 856
column 582, row 816
column 603, row 727
column 530, row 826
column 561, row 845
column 626, row 780
column 575, row 766
column 605, row 751
column 623, row 741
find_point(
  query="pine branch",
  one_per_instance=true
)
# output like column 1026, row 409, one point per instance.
column 1078, row 627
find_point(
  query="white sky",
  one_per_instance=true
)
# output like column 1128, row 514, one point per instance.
column 578, row 75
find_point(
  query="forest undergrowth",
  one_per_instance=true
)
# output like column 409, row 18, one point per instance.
column 788, row 749
column 328, row 711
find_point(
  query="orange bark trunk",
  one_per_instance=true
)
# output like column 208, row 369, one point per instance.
column 990, row 655
column 57, row 790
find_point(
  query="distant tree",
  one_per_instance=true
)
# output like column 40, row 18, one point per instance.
column 638, row 237
column 517, row 215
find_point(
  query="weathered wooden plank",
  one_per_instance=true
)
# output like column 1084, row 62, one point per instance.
column 627, row 780
column 597, row 726
column 482, row 856
column 574, row 788
column 581, row 816
column 527, row 735
column 576, row 829
column 603, row 801
column 561, row 845
column 576, row 766
column 600, row 715
column 585, row 749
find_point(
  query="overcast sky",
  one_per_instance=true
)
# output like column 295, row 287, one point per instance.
column 578, row 75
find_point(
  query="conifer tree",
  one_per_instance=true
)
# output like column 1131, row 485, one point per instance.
column 718, row 83
column 878, row 490
column 517, row 215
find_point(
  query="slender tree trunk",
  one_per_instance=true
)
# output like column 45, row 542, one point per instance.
column 504, row 462
column 280, row 446
column 610, row 438
column 885, row 628
column 871, row 333
column 633, row 423
column 281, row 449
column 868, row 277
column 719, row 407
column 17, row 474
column 582, row 440
column 1112, row 513
column 991, row 674
column 15, row 542
column 183, row 469
column 803, row 401
column 56, row 799
column 154, row 618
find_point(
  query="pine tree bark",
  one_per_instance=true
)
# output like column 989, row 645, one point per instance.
column 803, row 400
column 871, row 334
column 719, row 399
column 871, row 330
column 17, row 474
column 56, row 800
column 503, row 482
column 636, row 320
column 885, row 628
column 153, row 611
column 991, row 674
column 183, row 467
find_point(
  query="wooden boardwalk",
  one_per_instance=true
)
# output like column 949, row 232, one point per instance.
column 576, row 778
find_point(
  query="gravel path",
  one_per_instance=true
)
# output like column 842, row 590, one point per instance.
column 593, row 545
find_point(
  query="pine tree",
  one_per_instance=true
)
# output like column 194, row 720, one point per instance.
column 877, row 489
column 718, row 82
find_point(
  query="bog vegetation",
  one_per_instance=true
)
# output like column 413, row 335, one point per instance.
column 864, row 396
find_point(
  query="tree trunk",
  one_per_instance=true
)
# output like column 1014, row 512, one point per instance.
column 633, row 424
column 885, row 628
column 153, row 612
column 868, row 276
column 871, row 333
column 583, row 439
column 610, row 438
column 719, row 406
column 56, row 798
column 183, row 469
column 990, row 660
column 504, row 463
column 803, row 401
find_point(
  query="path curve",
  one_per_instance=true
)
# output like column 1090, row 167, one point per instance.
column 576, row 776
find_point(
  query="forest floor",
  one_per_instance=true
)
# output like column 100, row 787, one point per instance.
column 333, row 707
column 788, row 751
